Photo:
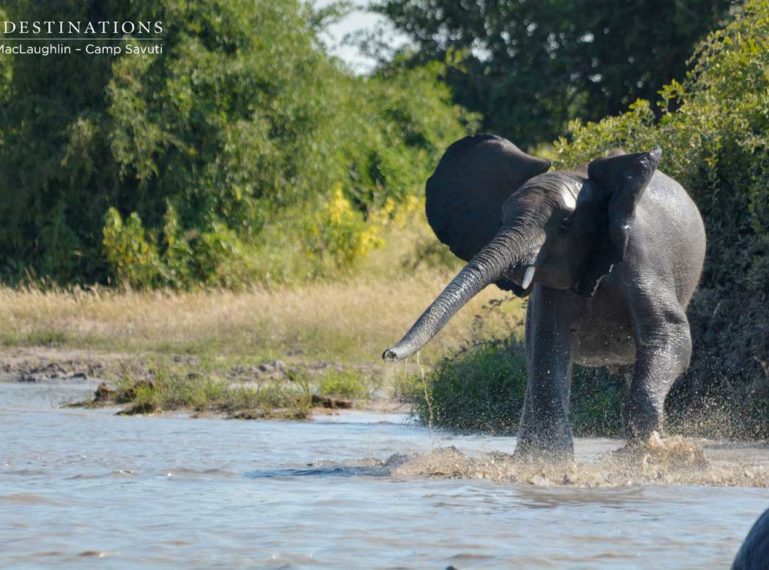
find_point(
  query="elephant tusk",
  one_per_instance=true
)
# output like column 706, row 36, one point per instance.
column 528, row 277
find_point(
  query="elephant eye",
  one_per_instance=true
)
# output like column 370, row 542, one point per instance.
column 565, row 224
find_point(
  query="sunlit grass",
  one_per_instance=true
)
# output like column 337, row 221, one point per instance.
column 350, row 321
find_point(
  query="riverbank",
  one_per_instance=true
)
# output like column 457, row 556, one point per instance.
column 151, row 384
column 261, row 353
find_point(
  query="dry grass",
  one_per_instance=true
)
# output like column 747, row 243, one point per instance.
column 350, row 321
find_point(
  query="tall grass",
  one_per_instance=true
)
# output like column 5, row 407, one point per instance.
column 350, row 321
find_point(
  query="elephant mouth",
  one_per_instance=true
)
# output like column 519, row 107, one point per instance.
column 547, row 274
column 523, row 274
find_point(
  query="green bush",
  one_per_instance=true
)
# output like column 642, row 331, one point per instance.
column 134, row 261
column 338, row 235
column 597, row 397
column 482, row 389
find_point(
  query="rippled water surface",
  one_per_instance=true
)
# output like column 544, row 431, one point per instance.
column 88, row 488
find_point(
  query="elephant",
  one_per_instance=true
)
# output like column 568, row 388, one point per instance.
column 754, row 552
column 608, row 254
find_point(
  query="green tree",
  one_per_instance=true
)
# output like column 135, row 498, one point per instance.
column 528, row 67
column 242, row 123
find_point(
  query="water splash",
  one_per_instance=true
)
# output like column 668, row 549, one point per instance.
column 428, row 399
column 670, row 461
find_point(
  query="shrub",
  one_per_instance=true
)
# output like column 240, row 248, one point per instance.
column 338, row 235
column 134, row 261
column 482, row 389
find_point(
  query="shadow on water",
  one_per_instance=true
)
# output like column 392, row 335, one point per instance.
column 329, row 471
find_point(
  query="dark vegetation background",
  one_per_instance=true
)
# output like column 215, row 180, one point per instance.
column 530, row 67
column 246, row 155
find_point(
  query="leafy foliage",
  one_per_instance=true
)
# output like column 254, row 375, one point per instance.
column 479, row 389
column 217, row 153
column 528, row 67
column 135, row 261
column 339, row 233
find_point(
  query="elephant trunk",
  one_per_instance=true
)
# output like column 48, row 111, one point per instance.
column 488, row 265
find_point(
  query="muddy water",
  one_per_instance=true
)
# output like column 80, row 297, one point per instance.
column 90, row 489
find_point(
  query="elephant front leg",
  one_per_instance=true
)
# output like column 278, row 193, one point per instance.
column 662, row 355
column 545, row 431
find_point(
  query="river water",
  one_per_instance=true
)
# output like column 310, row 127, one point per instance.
column 87, row 488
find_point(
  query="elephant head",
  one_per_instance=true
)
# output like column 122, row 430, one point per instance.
column 518, row 225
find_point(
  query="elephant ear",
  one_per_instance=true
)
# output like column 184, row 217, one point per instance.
column 622, row 180
column 464, row 196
